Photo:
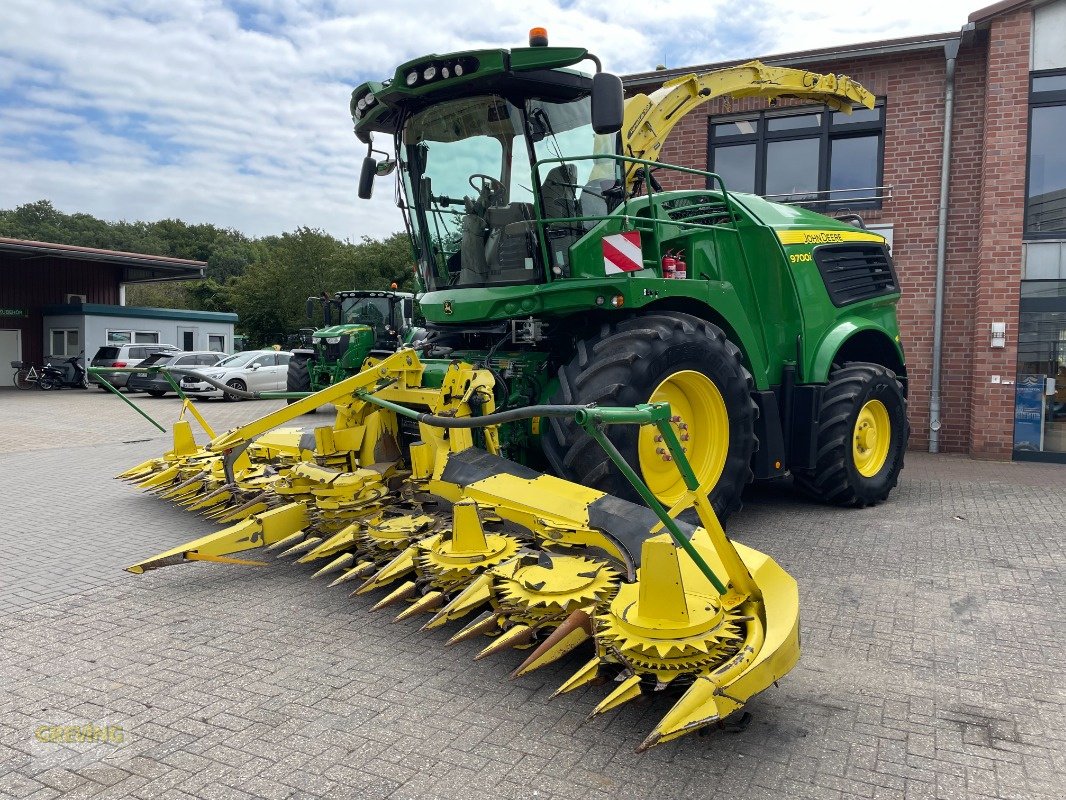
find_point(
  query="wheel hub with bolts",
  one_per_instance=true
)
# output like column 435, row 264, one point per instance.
column 872, row 437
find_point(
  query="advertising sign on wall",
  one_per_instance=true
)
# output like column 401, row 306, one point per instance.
column 1029, row 413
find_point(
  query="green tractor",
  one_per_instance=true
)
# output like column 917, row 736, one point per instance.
column 366, row 322
column 549, row 253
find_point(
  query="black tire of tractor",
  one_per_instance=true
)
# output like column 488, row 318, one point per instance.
column 835, row 479
column 298, row 378
column 237, row 384
column 622, row 366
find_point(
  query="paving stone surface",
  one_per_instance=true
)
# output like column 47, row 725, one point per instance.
column 933, row 651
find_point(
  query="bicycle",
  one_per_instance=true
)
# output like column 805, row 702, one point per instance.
column 26, row 375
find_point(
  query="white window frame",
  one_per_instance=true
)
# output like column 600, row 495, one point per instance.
column 222, row 345
column 132, row 334
column 67, row 351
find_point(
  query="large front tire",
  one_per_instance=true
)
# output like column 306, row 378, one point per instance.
column 862, row 437
column 660, row 356
column 298, row 377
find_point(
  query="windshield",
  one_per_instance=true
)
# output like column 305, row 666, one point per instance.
column 466, row 171
column 375, row 312
column 239, row 359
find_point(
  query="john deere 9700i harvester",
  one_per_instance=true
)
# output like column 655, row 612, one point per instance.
column 652, row 350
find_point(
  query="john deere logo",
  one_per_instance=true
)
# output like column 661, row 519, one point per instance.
column 447, row 306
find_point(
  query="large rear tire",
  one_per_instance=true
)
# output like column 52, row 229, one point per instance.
column 862, row 437
column 660, row 356
column 298, row 378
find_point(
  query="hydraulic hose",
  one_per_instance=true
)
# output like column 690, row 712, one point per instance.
column 497, row 418
column 241, row 393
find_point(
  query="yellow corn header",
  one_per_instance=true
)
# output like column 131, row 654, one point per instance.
column 441, row 526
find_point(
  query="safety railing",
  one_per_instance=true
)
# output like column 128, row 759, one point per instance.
column 654, row 222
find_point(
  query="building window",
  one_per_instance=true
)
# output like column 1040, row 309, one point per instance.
column 1045, row 197
column 132, row 337
column 823, row 160
column 216, row 343
column 65, row 341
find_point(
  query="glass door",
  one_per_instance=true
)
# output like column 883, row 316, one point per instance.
column 1040, row 392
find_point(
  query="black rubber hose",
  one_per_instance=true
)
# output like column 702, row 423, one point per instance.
column 217, row 384
column 500, row 417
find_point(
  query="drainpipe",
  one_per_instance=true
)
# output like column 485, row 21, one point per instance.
column 951, row 53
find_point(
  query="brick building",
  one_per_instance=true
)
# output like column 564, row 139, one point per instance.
column 1002, row 80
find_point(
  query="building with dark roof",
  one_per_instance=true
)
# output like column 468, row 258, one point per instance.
column 58, row 300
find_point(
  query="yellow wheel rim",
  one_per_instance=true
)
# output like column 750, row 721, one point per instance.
column 871, row 438
column 701, row 423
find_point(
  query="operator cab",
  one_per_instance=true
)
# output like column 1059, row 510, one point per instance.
column 497, row 155
column 468, row 169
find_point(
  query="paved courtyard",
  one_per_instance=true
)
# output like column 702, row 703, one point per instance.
column 932, row 666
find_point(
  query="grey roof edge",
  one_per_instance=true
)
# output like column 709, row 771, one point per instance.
column 932, row 41
column 103, row 310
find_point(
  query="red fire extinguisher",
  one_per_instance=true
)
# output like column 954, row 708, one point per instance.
column 669, row 265
column 680, row 267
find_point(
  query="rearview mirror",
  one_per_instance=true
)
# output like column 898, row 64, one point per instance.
column 385, row 167
column 255, row 366
column 608, row 103
column 366, row 178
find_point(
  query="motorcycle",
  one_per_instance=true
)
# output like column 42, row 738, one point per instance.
column 56, row 377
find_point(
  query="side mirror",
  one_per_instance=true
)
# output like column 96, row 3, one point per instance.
column 366, row 178
column 608, row 103
column 255, row 366
column 385, row 167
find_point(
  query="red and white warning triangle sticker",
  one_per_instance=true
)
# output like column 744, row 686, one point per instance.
column 621, row 253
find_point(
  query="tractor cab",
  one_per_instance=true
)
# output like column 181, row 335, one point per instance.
column 493, row 149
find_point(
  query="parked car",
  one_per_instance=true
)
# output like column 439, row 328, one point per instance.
column 251, row 370
column 156, row 384
column 124, row 355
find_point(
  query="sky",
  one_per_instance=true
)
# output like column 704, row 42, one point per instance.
column 235, row 112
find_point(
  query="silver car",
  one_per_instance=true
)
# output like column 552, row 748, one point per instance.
column 124, row 355
column 250, row 370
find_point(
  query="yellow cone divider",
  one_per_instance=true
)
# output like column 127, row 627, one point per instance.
column 627, row 690
column 696, row 709
column 301, row 547
column 476, row 594
column 585, row 675
column 406, row 589
column 288, row 541
column 483, row 624
column 340, row 562
column 402, row 565
column 423, row 605
column 360, row 570
column 575, row 630
column 512, row 637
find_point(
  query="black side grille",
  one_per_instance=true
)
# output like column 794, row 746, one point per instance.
column 335, row 351
column 701, row 209
column 854, row 272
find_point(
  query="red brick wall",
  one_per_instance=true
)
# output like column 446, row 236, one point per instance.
column 1001, row 227
column 985, row 211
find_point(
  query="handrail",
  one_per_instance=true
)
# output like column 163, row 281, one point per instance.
column 543, row 222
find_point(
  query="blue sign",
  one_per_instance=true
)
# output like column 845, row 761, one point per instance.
column 1029, row 413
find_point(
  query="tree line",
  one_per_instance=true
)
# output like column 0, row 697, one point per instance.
column 265, row 281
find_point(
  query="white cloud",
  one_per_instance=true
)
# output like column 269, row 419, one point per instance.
column 237, row 114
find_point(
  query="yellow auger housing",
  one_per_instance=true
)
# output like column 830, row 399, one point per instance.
column 451, row 532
